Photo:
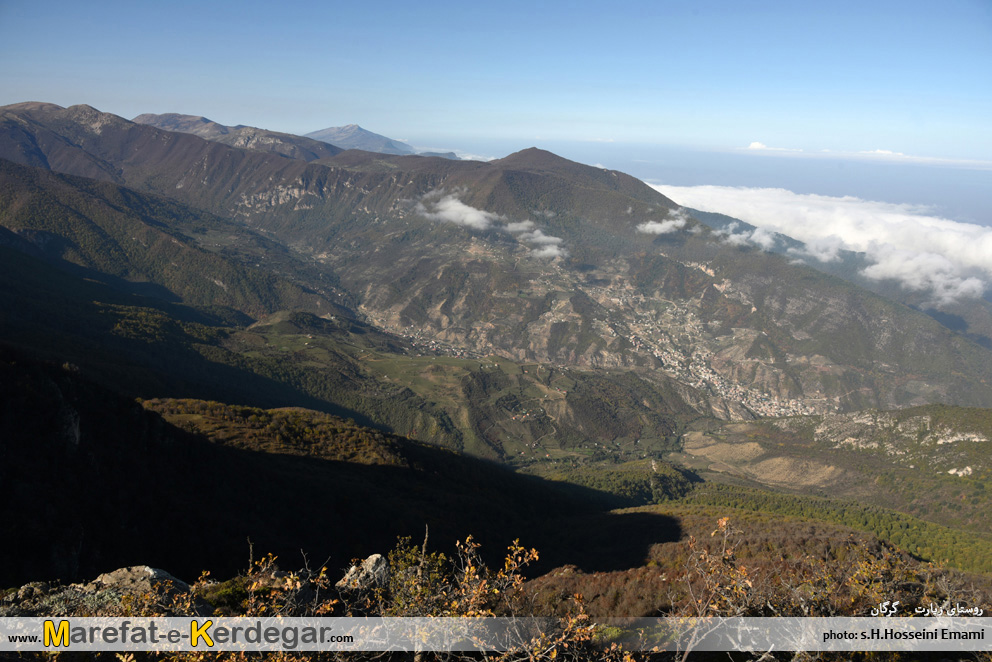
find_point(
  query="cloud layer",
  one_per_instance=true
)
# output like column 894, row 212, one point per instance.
column 761, row 237
column 948, row 259
column 887, row 155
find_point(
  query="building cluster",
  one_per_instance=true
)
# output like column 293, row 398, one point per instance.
column 668, row 330
column 672, row 333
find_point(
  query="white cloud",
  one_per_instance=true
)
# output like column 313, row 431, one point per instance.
column 439, row 206
column 882, row 152
column 764, row 238
column 520, row 226
column 539, row 238
column 926, row 271
column 543, row 245
column 549, row 251
column 763, row 147
column 761, row 237
column 452, row 210
column 824, row 249
column 469, row 156
column 460, row 153
column 731, row 236
column 948, row 259
column 669, row 225
column 661, row 227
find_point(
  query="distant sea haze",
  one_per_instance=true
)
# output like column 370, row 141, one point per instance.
column 927, row 227
column 952, row 192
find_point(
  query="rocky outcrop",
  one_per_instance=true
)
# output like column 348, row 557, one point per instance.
column 106, row 595
column 372, row 573
column 143, row 590
column 138, row 579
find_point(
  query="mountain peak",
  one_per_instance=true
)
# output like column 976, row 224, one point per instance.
column 148, row 118
column 352, row 136
column 533, row 156
column 241, row 136
column 195, row 124
column 32, row 105
column 537, row 159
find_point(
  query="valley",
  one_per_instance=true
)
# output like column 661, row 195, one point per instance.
column 525, row 344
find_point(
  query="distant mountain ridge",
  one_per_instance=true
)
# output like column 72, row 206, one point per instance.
column 352, row 136
column 195, row 124
column 137, row 243
column 537, row 258
column 245, row 137
column 564, row 319
column 317, row 145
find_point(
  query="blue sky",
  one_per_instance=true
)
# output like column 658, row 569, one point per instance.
column 907, row 77
column 724, row 92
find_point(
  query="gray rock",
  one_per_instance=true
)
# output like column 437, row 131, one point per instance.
column 32, row 590
column 372, row 573
column 138, row 579
column 101, row 597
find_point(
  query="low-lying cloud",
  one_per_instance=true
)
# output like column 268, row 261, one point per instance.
column 949, row 260
column 543, row 245
column 452, row 210
column 538, row 237
column 549, row 251
column 520, row 226
column 439, row 206
column 677, row 221
column 761, row 237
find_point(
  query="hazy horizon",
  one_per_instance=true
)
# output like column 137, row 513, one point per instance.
column 899, row 78
column 878, row 112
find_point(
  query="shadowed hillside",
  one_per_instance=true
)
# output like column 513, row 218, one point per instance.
column 373, row 320
column 93, row 481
